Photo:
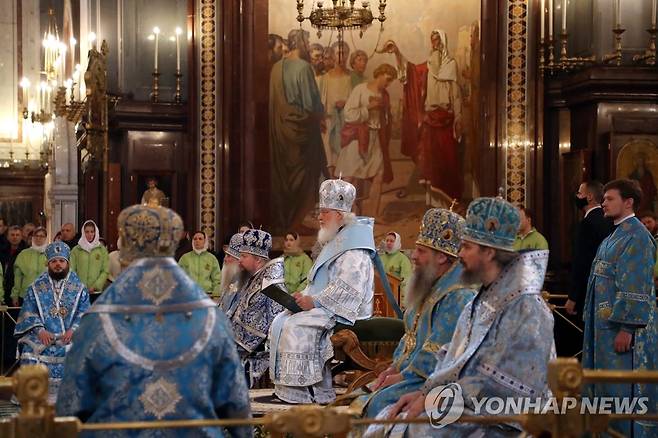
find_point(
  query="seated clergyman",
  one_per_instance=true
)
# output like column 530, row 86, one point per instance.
column 254, row 312
column 340, row 289
column 436, row 296
column 500, row 347
column 51, row 312
column 154, row 346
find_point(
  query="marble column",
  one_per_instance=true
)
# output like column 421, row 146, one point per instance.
column 62, row 178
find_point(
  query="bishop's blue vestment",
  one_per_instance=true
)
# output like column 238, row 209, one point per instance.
column 54, row 306
column 428, row 326
column 621, row 296
column 501, row 348
column 154, row 347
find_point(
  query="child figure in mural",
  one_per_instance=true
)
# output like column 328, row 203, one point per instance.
column 366, row 135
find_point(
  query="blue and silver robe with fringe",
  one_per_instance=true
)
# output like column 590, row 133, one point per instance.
column 621, row 296
column 54, row 306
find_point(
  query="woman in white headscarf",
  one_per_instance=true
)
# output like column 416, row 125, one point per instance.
column 29, row 264
column 90, row 260
column 202, row 266
column 395, row 261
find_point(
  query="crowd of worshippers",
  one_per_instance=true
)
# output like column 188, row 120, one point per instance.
column 154, row 345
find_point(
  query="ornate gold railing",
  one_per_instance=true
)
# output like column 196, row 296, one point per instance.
column 565, row 376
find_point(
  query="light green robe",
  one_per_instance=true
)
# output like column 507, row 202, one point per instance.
column 398, row 264
column 29, row 264
column 204, row 270
column 531, row 241
column 295, row 268
column 92, row 267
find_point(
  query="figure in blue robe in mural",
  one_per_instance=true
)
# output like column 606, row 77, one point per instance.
column 431, row 318
column 50, row 314
column 621, row 299
column 503, row 341
column 154, row 346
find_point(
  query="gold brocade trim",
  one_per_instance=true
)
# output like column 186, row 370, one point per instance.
column 516, row 100
column 208, row 124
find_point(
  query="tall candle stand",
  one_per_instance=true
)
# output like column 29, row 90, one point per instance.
column 177, row 96
column 616, row 55
column 155, row 92
column 649, row 56
column 568, row 63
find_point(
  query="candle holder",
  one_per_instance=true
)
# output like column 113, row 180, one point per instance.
column 566, row 62
column 11, row 158
column 60, row 102
column 155, row 93
column 177, row 96
column 551, row 54
column 616, row 56
column 649, row 56
column 27, row 159
column 542, row 57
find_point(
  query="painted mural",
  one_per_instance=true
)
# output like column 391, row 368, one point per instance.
column 393, row 111
column 638, row 160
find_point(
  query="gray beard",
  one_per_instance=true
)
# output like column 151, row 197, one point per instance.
column 420, row 286
column 229, row 275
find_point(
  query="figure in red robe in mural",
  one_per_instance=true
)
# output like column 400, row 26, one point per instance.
column 431, row 119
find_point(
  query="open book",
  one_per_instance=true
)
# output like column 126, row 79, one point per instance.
column 282, row 297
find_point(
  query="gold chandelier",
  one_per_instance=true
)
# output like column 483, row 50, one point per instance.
column 341, row 16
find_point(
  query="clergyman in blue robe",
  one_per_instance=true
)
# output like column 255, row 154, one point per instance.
column 50, row 314
column 621, row 303
column 436, row 296
column 500, row 347
column 154, row 346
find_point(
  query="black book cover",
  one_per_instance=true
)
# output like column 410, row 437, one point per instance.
column 282, row 297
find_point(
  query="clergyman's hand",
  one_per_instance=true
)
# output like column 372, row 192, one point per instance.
column 304, row 301
column 623, row 341
column 66, row 337
column 381, row 377
column 570, row 307
column 405, row 402
column 46, row 337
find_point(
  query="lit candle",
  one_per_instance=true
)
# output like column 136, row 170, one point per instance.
column 25, row 85
column 92, row 39
column 178, row 32
column 564, row 16
column 541, row 19
column 156, row 32
column 550, row 19
column 73, row 43
column 653, row 13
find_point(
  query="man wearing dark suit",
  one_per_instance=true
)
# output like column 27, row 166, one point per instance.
column 590, row 232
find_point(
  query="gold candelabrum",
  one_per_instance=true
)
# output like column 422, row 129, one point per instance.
column 155, row 91
column 179, row 79
column 73, row 110
column 342, row 15
column 616, row 56
column 565, row 62
column 649, row 57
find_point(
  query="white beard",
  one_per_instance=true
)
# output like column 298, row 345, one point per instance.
column 327, row 233
column 420, row 285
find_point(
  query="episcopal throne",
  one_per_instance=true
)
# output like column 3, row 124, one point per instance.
column 366, row 348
